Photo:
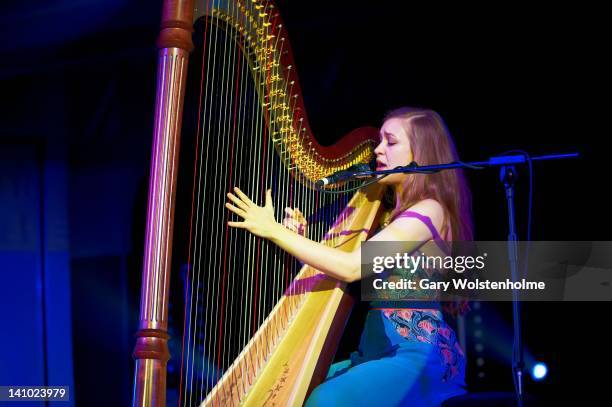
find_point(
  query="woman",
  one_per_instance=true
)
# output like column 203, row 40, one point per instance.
column 407, row 355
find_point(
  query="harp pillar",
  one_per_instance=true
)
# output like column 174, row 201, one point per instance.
column 151, row 350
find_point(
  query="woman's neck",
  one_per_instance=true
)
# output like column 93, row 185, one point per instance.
column 398, row 191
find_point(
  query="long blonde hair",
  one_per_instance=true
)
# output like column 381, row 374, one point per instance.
column 431, row 143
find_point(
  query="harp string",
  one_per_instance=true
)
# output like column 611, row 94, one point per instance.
column 253, row 269
column 225, row 327
column 210, row 291
column 191, row 310
column 235, row 303
column 245, row 281
column 280, row 279
column 187, row 348
column 227, row 308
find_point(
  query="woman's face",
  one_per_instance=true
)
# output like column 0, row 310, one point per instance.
column 393, row 150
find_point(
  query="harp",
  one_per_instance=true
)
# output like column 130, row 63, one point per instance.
column 258, row 328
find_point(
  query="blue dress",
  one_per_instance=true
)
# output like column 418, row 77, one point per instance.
column 407, row 356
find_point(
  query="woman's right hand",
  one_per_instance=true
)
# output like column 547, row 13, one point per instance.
column 294, row 220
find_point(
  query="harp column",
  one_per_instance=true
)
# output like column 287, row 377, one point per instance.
column 151, row 350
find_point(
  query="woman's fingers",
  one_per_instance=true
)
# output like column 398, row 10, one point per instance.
column 294, row 213
column 291, row 228
column 290, row 223
column 236, row 210
column 243, row 196
column 295, row 221
column 299, row 215
column 240, row 225
column 294, row 226
column 237, row 201
column 268, row 203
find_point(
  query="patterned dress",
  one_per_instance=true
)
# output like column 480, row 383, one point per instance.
column 407, row 356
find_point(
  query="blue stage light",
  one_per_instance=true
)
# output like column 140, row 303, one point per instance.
column 539, row 371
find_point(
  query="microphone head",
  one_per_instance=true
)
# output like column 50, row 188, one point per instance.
column 343, row 175
column 321, row 183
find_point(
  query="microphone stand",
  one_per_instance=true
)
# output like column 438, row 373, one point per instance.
column 508, row 177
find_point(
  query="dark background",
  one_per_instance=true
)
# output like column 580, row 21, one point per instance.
column 78, row 86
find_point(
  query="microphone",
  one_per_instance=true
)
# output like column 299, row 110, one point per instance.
column 345, row 175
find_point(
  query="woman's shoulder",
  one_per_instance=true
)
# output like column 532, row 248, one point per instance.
column 418, row 223
column 427, row 209
column 429, row 205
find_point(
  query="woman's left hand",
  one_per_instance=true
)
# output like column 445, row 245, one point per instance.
column 258, row 220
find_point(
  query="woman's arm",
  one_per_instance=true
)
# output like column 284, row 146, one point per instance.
column 344, row 266
column 336, row 263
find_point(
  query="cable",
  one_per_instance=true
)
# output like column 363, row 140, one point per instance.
column 470, row 166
